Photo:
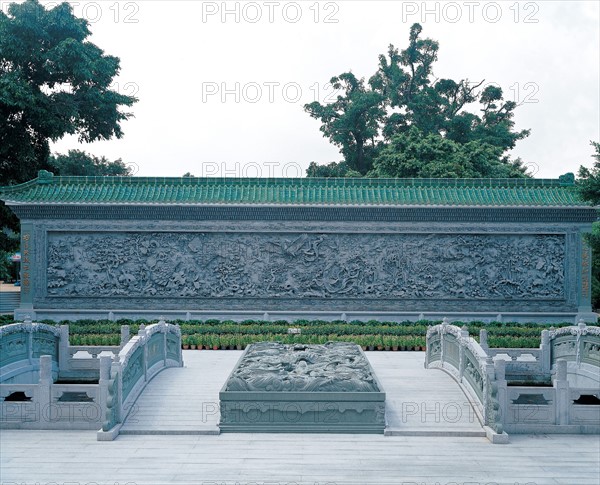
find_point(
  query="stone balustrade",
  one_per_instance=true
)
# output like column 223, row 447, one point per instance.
column 45, row 383
column 552, row 389
column 155, row 348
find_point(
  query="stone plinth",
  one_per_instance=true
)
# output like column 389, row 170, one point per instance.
column 280, row 388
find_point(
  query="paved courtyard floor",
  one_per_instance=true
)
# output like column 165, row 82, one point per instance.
column 171, row 440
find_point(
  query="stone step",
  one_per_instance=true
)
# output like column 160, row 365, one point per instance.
column 434, row 432
column 209, row 430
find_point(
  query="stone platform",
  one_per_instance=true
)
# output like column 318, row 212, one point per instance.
column 278, row 388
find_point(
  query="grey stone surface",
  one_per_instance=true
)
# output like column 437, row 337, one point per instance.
column 29, row 457
column 187, row 399
column 528, row 271
column 300, row 388
column 277, row 367
column 301, row 265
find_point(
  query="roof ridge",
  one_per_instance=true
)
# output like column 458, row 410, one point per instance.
column 45, row 177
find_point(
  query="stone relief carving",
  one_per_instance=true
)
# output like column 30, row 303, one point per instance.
column 297, row 265
column 276, row 367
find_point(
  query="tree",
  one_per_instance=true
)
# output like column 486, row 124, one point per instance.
column 53, row 82
column 414, row 154
column 589, row 179
column 352, row 120
column 77, row 162
column 589, row 189
column 333, row 169
column 403, row 95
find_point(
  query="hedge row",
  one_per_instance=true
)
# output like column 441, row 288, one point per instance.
column 369, row 334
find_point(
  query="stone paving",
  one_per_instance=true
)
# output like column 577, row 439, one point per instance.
column 450, row 454
column 411, row 407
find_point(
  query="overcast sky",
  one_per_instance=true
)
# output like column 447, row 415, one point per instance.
column 221, row 86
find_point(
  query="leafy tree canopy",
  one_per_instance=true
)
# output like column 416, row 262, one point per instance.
column 333, row 169
column 52, row 82
column 589, row 179
column 413, row 154
column 588, row 185
column 78, row 162
column 369, row 121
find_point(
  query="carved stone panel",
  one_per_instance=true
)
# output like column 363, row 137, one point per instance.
column 306, row 266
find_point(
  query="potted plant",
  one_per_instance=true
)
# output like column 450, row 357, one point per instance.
column 195, row 342
column 237, row 342
column 185, row 342
column 387, row 343
column 370, row 342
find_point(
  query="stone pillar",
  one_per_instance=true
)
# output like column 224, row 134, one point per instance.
column 124, row 334
column 483, row 340
column 105, row 363
column 490, row 377
column 443, row 340
column 579, row 341
column 45, row 383
column 143, row 336
column 545, row 349
column 464, row 337
column 561, row 389
column 163, row 330
column 500, row 371
column 63, row 348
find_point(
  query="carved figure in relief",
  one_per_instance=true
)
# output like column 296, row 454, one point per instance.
column 284, row 265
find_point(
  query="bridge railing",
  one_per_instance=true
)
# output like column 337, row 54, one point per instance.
column 154, row 349
column 525, row 390
column 45, row 383
column 452, row 349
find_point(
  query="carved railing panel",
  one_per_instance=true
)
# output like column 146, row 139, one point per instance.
column 133, row 371
column 14, row 348
column 473, row 374
column 25, row 342
column 156, row 348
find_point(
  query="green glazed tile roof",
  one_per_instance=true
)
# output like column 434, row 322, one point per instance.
column 48, row 189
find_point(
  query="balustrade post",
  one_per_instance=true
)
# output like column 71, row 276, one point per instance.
column 45, row 382
column 443, row 340
column 105, row 363
column 483, row 340
column 490, row 377
column 500, row 376
column 163, row 329
column 545, row 363
column 561, row 387
column 464, row 338
column 580, row 330
column 29, row 331
column 143, row 335
column 124, row 335
column 63, row 348
column 116, row 371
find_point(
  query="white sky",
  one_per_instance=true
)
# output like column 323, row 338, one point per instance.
column 176, row 54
